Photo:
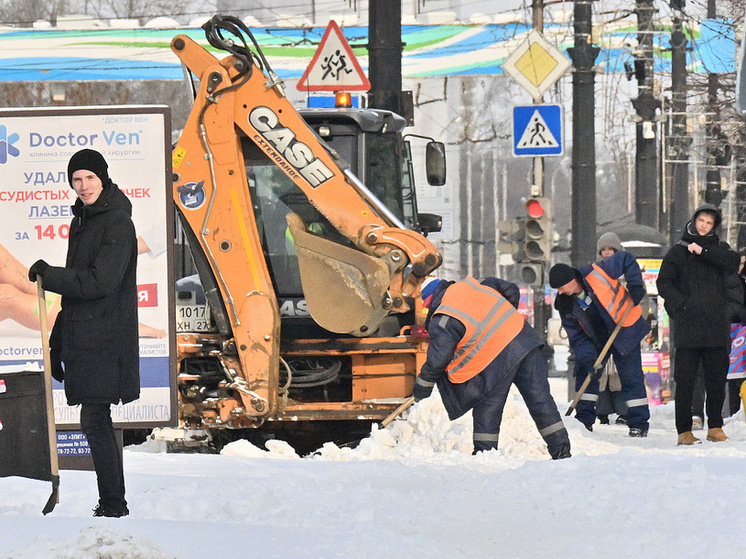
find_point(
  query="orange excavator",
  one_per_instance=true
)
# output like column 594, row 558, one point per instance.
column 301, row 249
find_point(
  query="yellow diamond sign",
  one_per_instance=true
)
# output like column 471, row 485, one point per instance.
column 536, row 64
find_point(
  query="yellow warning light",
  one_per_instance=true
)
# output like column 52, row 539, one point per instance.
column 343, row 99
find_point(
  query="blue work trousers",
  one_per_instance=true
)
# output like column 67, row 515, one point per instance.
column 530, row 377
column 633, row 391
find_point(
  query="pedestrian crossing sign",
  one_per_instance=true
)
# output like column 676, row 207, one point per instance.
column 537, row 130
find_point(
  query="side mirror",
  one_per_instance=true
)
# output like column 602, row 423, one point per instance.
column 435, row 163
column 429, row 223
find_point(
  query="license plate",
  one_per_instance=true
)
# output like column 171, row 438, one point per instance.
column 193, row 318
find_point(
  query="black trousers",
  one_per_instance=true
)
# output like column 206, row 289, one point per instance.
column 714, row 362
column 95, row 422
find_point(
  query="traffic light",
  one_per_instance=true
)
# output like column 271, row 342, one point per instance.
column 530, row 273
column 512, row 233
column 537, row 226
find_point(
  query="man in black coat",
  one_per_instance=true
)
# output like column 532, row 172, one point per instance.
column 94, row 342
column 692, row 283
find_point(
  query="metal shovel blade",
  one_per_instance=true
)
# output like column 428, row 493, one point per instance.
column 343, row 287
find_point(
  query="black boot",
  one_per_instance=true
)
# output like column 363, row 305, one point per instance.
column 111, row 511
column 562, row 452
column 637, row 432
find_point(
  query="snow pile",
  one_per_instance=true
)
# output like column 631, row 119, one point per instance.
column 425, row 432
column 94, row 543
column 275, row 449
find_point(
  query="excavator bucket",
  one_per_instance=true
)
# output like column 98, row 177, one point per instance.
column 344, row 288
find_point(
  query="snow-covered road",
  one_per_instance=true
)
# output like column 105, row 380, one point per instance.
column 412, row 490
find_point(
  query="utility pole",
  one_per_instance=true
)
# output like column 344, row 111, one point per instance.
column 646, row 159
column 385, row 49
column 718, row 149
column 583, row 56
column 679, row 146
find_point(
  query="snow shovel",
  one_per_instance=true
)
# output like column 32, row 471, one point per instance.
column 599, row 362
column 388, row 419
column 398, row 411
column 54, row 498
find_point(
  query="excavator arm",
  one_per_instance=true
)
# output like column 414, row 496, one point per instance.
column 349, row 289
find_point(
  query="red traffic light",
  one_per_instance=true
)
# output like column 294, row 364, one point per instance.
column 534, row 208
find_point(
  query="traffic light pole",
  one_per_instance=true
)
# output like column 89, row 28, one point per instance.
column 537, row 189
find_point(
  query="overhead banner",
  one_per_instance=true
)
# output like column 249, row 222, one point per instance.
column 35, row 202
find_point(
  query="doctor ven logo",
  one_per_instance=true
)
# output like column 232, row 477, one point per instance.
column 6, row 145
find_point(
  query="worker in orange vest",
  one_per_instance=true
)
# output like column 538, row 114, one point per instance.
column 591, row 301
column 479, row 346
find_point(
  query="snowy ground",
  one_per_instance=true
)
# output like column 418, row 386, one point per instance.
column 412, row 490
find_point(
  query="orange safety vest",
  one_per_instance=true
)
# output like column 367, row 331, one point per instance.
column 491, row 323
column 613, row 296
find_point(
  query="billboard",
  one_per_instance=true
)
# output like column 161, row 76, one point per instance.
column 35, row 204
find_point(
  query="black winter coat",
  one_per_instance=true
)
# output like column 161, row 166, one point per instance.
column 95, row 334
column 693, row 289
column 735, row 292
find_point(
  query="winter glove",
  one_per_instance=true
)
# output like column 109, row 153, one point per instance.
column 637, row 292
column 421, row 389
column 563, row 304
column 37, row 269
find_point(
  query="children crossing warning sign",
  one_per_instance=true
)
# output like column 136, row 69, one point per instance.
column 537, row 130
column 334, row 67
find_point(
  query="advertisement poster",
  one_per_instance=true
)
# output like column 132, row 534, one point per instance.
column 35, row 204
column 657, row 369
column 526, row 304
column 650, row 268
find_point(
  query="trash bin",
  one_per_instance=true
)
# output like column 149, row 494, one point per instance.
column 24, row 438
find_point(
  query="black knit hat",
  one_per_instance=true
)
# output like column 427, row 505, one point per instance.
column 561, row 274
column 90, row 160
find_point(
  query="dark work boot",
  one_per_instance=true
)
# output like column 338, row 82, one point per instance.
column 562, row 452
column 111, row 511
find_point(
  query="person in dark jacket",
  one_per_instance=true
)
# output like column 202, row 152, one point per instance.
column 735, row 291
column 692, row 283
column 591, row 301
column 480, row 345
column 610, row 399
column 94, row 341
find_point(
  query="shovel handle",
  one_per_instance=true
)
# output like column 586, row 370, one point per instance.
column 51, row 427
column 579, row 394
column 398, row 411
column 599, row 361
